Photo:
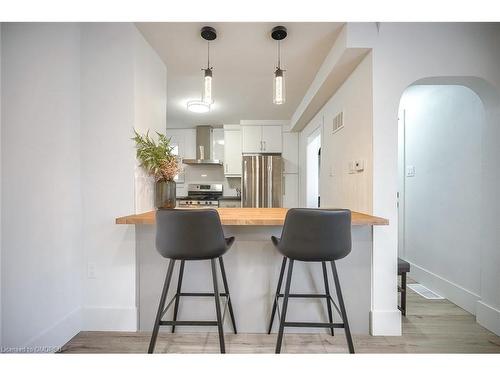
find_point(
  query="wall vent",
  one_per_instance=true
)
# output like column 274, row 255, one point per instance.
column 338, row 122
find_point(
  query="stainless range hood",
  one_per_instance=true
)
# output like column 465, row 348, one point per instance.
column 204, row 144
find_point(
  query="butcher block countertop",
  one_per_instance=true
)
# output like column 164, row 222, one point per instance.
column 251, row 216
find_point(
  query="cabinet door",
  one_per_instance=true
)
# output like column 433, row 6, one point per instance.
column 271, row 138
column 290, row 190
column 251, row 139
column 232, row 153
column 290, row 153
column 218, row 144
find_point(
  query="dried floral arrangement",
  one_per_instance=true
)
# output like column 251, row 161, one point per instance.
column 157, row 158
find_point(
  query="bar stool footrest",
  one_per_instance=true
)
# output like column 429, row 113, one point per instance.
column 313, row 325
column 201, row 295
column 188, row 323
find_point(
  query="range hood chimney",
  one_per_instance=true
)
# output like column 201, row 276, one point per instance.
column 204, row 142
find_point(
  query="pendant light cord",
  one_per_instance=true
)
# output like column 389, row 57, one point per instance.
column 279, row 55
column 208, row 55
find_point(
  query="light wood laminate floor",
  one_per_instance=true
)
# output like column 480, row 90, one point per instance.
column 431, row 326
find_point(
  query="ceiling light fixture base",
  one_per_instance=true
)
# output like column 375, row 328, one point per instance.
column 208, row 33
column 279, row 32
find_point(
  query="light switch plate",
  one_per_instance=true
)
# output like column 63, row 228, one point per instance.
column 410, row 171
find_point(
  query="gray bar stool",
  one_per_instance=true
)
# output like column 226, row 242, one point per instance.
column 313, row 235
column 191, row 235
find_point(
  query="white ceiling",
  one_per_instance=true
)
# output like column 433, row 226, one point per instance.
column 244, row 59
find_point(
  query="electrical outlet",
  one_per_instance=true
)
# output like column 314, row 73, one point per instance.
column 359, row 165
column 91, row 270
column 410, row 171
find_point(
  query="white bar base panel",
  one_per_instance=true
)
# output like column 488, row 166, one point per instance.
column 385, row 323
column 252, row 267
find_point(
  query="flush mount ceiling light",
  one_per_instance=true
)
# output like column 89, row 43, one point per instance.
column 198, row 106
column 208, row 33
column 279, row 33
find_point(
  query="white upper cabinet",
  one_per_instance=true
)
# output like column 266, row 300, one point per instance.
column 271, row 139
column 218, row 144
column 290, row 152
column 251, row 137
column 232, row 151
column 261, row 139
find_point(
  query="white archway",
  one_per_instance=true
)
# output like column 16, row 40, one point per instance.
column 480, row 299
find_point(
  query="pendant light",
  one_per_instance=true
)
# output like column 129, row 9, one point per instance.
column 203, row 106
column 208, row 33
column 279, row 33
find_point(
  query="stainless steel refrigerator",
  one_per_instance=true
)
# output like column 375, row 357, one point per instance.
column 261, row 184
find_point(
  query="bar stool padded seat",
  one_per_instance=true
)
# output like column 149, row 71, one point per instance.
column 403, row 266
column 190, row 234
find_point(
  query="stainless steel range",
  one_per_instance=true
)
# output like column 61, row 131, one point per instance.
column 201, row 195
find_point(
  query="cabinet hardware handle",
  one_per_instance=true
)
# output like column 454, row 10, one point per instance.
column 264, row 145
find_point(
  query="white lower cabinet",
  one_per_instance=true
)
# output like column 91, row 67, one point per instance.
column 290, row 190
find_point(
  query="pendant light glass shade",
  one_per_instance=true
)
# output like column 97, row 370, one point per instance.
column 198, row 106
column 207, row 87
column 279, row 87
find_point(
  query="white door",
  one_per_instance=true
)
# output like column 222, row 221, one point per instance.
column 251, row 139
column 271, row 139
column 290, row 190
column 232, row 153
column 290, row 153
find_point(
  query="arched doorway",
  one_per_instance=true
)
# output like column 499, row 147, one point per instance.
column 483, row 298
column 441, row 133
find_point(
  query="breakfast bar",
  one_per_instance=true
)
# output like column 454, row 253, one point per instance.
column 252, row 266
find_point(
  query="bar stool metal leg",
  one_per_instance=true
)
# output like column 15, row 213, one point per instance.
column 278, row 290
column 327, row 292
column 217, row 307
column 403, row 293
column 342, row 308
column 161, row 305
column 285, row 306
column 226, row 290
column 177, row 294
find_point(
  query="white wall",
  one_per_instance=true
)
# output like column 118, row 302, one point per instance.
column 339, row 188
column 443, row 135
column 150, row 110
column 402, row 55
column 73, row 92
column 41, row 196
column 313, row 168
column 123, row 85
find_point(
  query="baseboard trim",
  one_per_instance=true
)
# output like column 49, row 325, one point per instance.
column 460, row 296
column 385, row 323
column 53, row 338
column 488, row 317
column 110, row 319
